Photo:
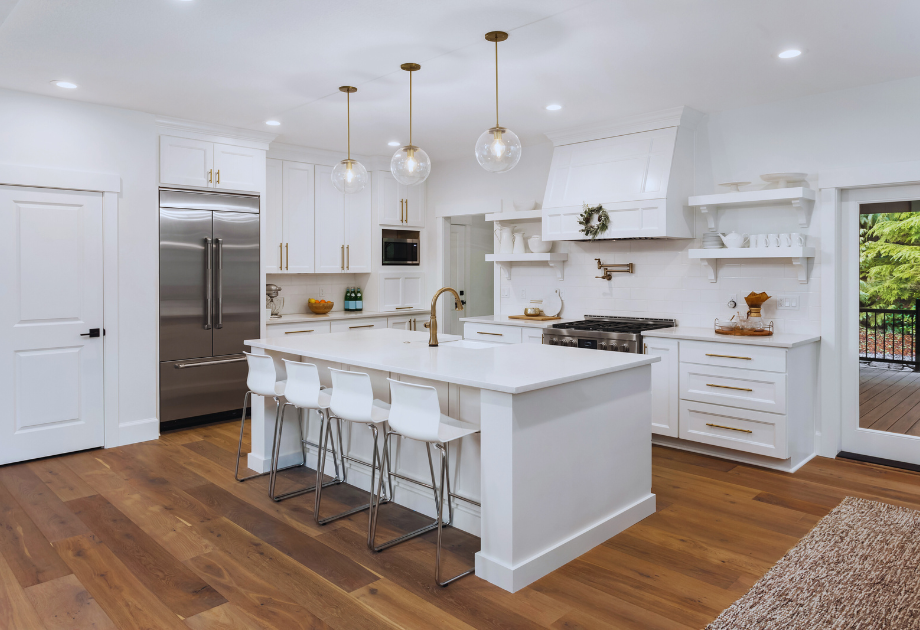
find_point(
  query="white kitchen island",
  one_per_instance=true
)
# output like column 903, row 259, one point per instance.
column 563, row 461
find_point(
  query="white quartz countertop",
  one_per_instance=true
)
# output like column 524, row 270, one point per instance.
column 778, row 340
column 294, row 318
column 502, row 320
column 510, row 368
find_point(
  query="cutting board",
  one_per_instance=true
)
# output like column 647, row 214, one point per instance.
column 538, row 318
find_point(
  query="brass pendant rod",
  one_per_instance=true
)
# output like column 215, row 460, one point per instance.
column 348, row 109
column 410, row 107
column 496, row 83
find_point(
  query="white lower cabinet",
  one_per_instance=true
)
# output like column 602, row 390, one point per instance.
column 492, row 332
column 664, row 385
column 298, row 328
column 531, row 335
column 407, row 322
column 344, row 325
column 740, row 429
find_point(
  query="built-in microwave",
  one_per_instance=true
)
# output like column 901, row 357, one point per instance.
column 400, row 247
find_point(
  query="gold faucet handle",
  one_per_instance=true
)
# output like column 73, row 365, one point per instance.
column 428, row 324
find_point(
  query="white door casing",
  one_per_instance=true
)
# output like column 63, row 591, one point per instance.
column 459, row 272
column 52, row 290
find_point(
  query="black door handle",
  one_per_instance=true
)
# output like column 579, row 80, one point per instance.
column 93, row 332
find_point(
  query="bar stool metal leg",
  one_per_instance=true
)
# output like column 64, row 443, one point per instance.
column 445, row 481
column 276, row 452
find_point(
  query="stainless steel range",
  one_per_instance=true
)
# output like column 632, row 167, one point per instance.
column 599, row 332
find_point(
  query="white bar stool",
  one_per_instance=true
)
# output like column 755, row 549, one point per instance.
column 262, row 380
column 416, row 414
column 304, row 392
column 353, row 401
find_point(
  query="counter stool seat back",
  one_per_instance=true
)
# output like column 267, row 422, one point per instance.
column 415, row 411
column 303, row 387
column 264, row 378
column 353, row 397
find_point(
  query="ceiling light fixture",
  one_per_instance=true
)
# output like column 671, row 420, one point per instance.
column 393, row 143
column 67, row 85
column 410, row 165
column 789, row 54
column 554, row 107
column 349, row 176
column 272, row 123
column 498, row 149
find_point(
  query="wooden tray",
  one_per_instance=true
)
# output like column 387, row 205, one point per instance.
column 745, row 333
column 534, row 318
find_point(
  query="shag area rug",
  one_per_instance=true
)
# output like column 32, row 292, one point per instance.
column 859, row 568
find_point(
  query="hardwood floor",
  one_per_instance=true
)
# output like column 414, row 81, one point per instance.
column 159, row 536
column 889, row 400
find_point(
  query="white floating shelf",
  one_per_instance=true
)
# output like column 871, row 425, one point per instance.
column 554, row 260
column 797, row 255
column 523, row 215
column 802, row 199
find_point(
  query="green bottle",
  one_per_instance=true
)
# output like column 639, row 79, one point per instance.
column 347, row 299
column 351, row 299
column 359, row 300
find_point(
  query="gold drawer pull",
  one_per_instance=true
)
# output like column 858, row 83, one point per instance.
column 740, row 389
column 719, row 426
column 488, row 333
column 294, row 332
column 403, row 308
column 728, row 356
column 364, row 326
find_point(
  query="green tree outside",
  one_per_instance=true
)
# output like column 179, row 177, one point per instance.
column 889, row 260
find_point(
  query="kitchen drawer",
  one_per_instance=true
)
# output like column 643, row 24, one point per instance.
column 491, row 332
column 748, row 389
column 531, row 335
column 297, row 328
column 739, row 429
column 733, row 355
column 344, row 325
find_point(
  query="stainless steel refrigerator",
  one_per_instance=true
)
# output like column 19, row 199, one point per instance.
column 210, row 302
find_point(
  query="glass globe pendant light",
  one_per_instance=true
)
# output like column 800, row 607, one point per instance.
column 498, row 149
column 349, row 176
column 410, row 165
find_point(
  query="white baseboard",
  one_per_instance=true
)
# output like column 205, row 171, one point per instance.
column 514, row 578
column 785, row 465
column 137, row 431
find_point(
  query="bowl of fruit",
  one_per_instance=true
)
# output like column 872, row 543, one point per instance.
column 320, row 307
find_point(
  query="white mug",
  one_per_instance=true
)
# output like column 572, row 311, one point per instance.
column 758, row 240
column 797, row 239
column 785, row 240
column 772, row 240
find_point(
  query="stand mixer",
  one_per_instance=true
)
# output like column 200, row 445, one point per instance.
column 272, row 300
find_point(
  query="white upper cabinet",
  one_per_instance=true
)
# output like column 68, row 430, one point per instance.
column 274, row 216
column 343, row 227
column 401, row 291
column 185, row 162
column 399, row 205
column 202, row 164
column 238, row 168
column 642, row 174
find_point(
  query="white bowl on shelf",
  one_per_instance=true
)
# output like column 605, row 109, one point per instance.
column 538, row 246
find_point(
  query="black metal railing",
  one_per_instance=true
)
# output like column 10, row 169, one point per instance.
column 889, row 335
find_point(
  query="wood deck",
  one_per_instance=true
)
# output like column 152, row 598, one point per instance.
column 159, row 535
column 889, row 400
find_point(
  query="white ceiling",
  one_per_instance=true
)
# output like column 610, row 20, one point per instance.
column 241, row 62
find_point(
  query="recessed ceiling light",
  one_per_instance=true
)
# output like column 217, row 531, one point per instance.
column 789, row 54
column 67, row 85
column 272, row 123
column 553, row 107
column 393, row 143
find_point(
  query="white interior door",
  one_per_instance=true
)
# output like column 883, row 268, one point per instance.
column 459, row 271
column 51, row 287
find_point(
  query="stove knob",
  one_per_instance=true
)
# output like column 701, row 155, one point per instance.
column 572, row 343
column 551, row 341
column 601, row 345
column 624, row 348
column 613, row 346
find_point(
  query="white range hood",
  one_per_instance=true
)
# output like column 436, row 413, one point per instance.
column 640, row 170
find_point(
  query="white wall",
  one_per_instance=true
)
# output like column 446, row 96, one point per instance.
column 298, row 288
column 57, row 133
column 867, row 125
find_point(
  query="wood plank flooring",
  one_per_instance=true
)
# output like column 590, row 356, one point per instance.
column 889, row 400
column 159, row 536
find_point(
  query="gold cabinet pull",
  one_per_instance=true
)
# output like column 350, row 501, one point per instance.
column 294, row 332
column 728, row 356
column 343, row 258
column 719, row 426
column 348, row 257
column 364, row 326
column 287, row 256
column 218, row 176
column 740, row 389
column 402, row 308
column 406, row 211
column 401, row 210
column 479, row 332
column 210, row 171
column 280, row 256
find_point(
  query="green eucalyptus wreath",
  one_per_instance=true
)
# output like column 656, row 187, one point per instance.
column 595, row 230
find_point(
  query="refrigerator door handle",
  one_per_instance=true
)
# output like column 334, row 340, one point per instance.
column 207, row 288
column 220, row 282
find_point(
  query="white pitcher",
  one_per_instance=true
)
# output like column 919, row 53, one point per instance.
column 518, row 243
column 505, row 240
column 734, row 239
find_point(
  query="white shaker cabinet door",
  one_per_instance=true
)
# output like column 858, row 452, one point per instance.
column 389, row 200
column 299, row 242
column 329, row 237
column 359, row 230
column 238, row 168
column 185, row 162
column 273, row 255
column 401, row 291
column 414, row 205
column 665, row 391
